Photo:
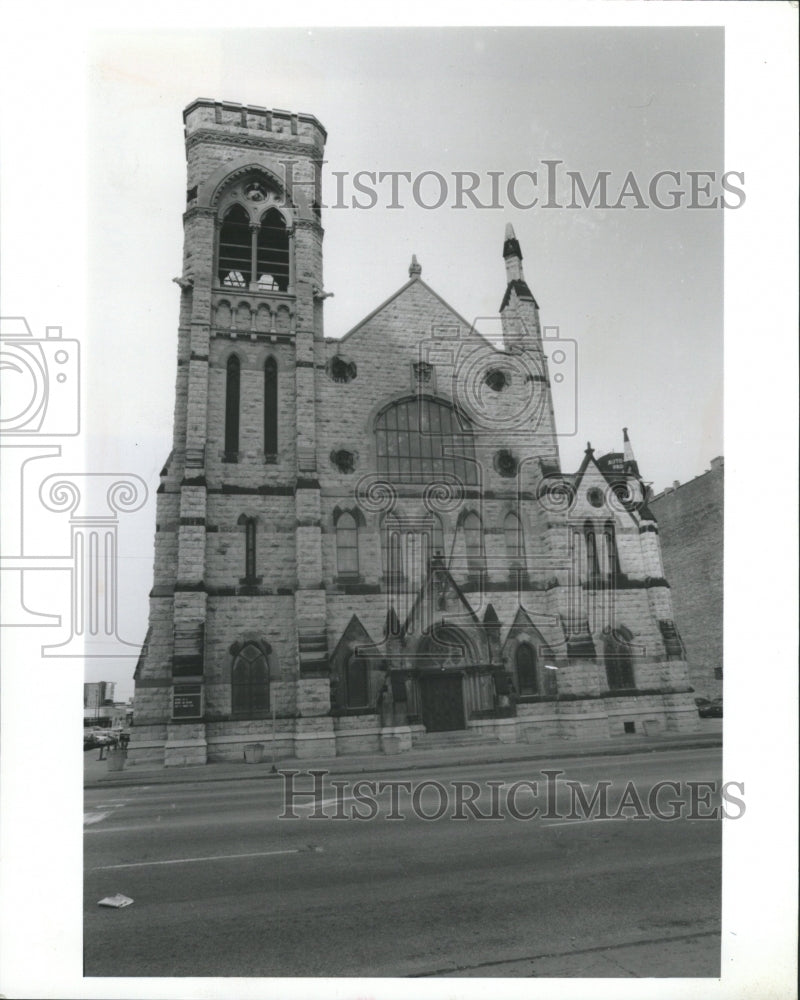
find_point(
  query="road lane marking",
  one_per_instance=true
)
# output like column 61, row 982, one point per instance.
column 97, row 816
column 215, row 857
column 589, row 819
column 93, row 817
column 635, row 943
column 322, row 804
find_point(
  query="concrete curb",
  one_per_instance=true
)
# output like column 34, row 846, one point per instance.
column 338, row 765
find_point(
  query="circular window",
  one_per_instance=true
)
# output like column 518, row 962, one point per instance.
column 341, row 370
column 595, row 497
column 496, row 379
column 505, row 463
column 345, row 461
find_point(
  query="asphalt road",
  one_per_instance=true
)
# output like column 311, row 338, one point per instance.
column 224, row 887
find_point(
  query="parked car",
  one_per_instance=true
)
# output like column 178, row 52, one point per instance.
column 99, row 738
column 709, row 708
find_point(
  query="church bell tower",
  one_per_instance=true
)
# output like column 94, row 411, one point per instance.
column 237, row 608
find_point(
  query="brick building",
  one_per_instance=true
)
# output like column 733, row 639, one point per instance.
column 365, row 541
column 690, row 522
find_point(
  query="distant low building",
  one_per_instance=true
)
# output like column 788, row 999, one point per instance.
column 99, row 707
column 690, row 524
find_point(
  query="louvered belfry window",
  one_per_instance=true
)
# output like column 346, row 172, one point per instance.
column 235, row 249
column 253, row 252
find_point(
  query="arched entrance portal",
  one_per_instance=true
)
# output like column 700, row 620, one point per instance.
column 442, row 661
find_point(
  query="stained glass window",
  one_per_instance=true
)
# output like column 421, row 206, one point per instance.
column 420, row 439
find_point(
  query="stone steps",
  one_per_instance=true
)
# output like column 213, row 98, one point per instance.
column 455, row 738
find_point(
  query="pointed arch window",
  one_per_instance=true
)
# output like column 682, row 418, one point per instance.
column 235, row 249
column 593, row 572
column 515, row 542
column 437, row 539
column 250, row 528
column 271, row 408
column 346, row 545
column 250, row 683
column 356, row 682
column 473, row 542
column 610, row 556
column 392, row 551
column 618, row 657
column 232, row 393
column 272, row 253
column 527, row 673
column 252, row 252
column 250, row 548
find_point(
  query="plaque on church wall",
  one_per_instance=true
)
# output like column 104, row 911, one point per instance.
column 187, row 701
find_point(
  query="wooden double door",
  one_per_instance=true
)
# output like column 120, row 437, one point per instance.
column 442, row 701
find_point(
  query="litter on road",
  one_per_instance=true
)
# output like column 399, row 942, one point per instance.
column 117, row 902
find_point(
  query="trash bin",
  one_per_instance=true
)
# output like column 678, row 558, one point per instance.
column 254, row 753
column 116, row 758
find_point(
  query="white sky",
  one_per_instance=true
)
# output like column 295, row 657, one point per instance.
column 93, row 187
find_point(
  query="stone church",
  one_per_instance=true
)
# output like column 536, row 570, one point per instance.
column 367, row 544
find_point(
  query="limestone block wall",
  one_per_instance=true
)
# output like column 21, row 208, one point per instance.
column 252, row 470
column 275, row 540
column 690, row 521
column 226, row 740
column 231, row 619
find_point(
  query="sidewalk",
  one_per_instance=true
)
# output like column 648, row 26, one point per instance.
column 97, row 775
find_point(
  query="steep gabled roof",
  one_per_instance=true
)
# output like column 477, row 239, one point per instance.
column 401, row 291
column 438, row 590
column 612, row 479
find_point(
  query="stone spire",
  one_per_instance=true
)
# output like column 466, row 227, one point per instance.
column 630, row 463
column 414, row 270
column 515, row 277
column 512, row 254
